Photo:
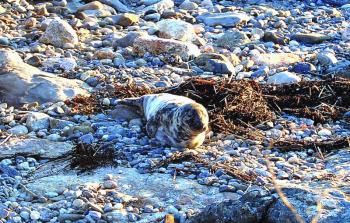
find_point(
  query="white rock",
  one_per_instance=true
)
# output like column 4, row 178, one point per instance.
column 59, row 33
column 324, row 132
column 176, row 29
column 284, row 78
column 37, row 121
column 34, row 215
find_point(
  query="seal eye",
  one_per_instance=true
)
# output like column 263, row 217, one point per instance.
column 196, row 122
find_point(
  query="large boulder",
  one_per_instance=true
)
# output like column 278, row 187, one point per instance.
column 176, row 29
column 156, row 46
column 22, row 83
column 60, row 34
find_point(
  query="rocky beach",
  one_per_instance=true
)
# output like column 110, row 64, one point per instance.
column 273, row 75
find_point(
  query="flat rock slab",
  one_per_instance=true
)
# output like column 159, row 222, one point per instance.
column 155, row 187
column 34, row 147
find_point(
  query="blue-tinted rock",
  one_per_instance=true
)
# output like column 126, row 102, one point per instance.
column 303, row 68
column 87, row 139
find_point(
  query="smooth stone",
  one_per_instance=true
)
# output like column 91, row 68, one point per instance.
column 324, row 132
column 283, row 78
column 310, row 38
column 275, row 37
column 326, row 58
column 128, row 39
column 215, row 63
column 276, row 60
column 228, row 19
column 176, row 29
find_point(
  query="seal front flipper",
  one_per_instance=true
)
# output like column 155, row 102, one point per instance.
column 152, row 127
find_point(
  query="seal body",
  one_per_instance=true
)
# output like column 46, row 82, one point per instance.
column 173, row 120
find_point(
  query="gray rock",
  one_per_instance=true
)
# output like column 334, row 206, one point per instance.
column 67, row 64
column 21, row 83
column 37, row 121
column 128, row 39
column 59, row 33
column 229, row 19
column 215, row 63
column 232, row 39
column 188, row 5
column 340, row 69
column 326, row 58
column 117, row 5
column 310, row 38
column 34, row 147
column 18, row 130
column 305, row 202
column 250, row 208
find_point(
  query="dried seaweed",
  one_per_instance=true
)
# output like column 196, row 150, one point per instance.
column 235, row 106
column 323, row 146
column 212, row 166
column 88, row 157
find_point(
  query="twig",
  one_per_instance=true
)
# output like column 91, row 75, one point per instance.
column 6, row 139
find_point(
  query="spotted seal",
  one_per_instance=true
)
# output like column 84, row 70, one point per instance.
column 173, row 120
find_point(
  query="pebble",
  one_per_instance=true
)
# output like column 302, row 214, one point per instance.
column 110, row 184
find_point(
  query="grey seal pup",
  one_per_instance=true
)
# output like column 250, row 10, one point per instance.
column 173, row 120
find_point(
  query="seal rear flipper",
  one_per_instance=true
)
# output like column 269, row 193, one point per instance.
column 124, row 112
column 132, row 102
